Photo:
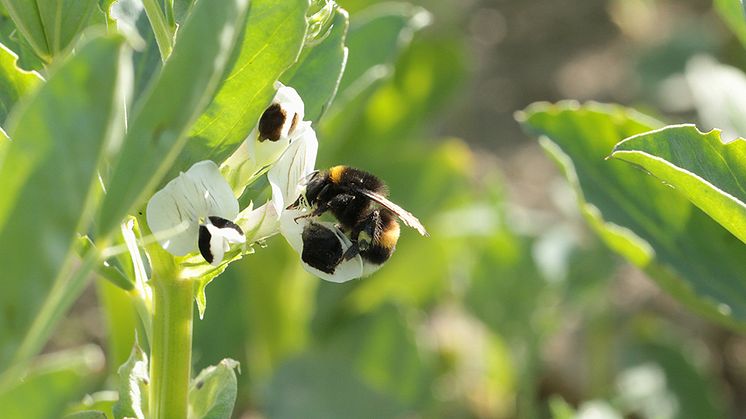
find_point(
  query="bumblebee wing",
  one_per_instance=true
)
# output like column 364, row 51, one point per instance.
column 403, row 214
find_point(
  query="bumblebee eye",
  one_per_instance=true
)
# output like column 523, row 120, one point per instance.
column 215, row 237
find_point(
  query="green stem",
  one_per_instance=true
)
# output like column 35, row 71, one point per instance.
column 164, row 35
column 171, row 348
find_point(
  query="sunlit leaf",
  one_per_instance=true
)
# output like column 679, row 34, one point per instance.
column 76, row 116
column 271, row 42
column 50, row 26
column 649, row 223
column 157, row 131
column 14, row 82
column 213, row 392
column 317, row 73
column 699, row 166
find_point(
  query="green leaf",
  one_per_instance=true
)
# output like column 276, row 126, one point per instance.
column 75, row 117
column 699, row 166
column 14, row 82
column 157, row 131
column 213, row 392
column 652, row 225
column 317, row 73
column 63, row 20
column 271, row 42
column 50, row 26
column 52, row 382
column 377, row 35
column 11, row 38
column 25, row 15
column 182, row 9
column 733, row 13
column 133, row 386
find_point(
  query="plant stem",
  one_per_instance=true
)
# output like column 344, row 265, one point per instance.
column 164, row 35
column 171, row 348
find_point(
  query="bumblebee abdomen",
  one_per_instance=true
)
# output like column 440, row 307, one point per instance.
column 384, row 242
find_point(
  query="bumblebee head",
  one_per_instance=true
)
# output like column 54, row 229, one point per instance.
column 316, row 183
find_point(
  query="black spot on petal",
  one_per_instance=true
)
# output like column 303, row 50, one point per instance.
column 204, row 243
column 270, row 124
column 220, row 222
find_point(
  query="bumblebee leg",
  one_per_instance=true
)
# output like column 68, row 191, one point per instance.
column 353, row 251
column 315, row 213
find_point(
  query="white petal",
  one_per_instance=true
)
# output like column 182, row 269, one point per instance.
column 287, row 175
column 174, row 212
column 259, row 223
column 252, row 156
column 216, row 194
column 291, row 103
column 230, row 235
column 292, row 230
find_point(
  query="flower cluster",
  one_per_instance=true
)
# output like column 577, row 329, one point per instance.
column 198, row 211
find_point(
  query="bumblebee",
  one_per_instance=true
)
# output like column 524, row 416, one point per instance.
column 357, row 200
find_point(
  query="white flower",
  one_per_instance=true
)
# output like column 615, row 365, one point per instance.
column 287, row 179
column 273, row 133
column 195, row 212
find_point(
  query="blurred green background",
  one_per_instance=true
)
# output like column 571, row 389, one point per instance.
column 512, row 308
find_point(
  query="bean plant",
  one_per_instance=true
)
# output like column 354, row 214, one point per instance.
column 133, row 150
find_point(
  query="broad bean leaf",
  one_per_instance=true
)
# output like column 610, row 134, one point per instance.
column 212, row 394
column 699, row 166
column 317, row 73
column 63, row 20
column 133, row 386
column 11, row 38
column 376, row 37
column 733, row 13
column 187, row 82
column 14, row 82
column 76, row 116
column 51, row 383
column 271, row 42
column 649, row 223
column 50, row 26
